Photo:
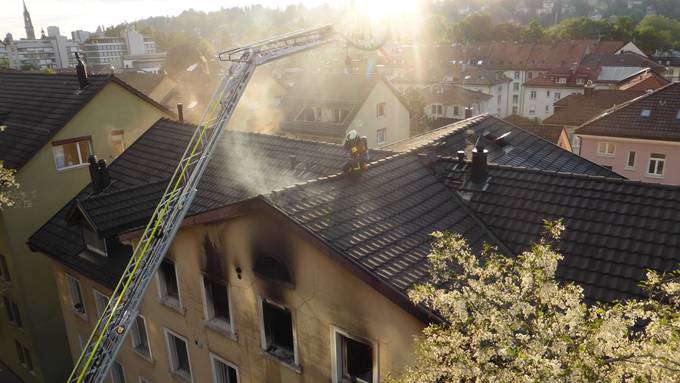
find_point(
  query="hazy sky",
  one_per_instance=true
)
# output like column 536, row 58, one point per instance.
column 70, row 15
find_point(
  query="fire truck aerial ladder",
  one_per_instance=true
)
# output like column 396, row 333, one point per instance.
column 121, row 311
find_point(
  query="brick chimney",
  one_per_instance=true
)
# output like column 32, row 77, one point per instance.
column 589, row 89
column 479, row 171
column 99, row 174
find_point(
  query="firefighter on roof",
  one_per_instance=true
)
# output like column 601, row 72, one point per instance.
column 358, row 152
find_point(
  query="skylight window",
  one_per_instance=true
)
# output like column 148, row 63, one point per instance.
column 646, row 112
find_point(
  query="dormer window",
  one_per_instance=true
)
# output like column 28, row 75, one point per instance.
column 561, row 80
column 93, row 242
column 580, row 81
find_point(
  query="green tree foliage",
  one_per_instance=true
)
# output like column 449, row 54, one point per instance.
column 474, row 27
column 657, row 32
column 533, row 33
column 416, row 107
column 8, row 186
column 508, row 32
column 507, row 319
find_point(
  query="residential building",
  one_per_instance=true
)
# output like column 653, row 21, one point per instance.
column 52, row 124
column 4, row 55
column 259, row 109
column 495, row 84
column 325, row 106
column 541, row 92
column 638, row 139
column 452, row 102
column 102, row 50
column 148, row 63
column 140, row 51
column 575, row 110
column 309, row 283
column 614, row 68
column 671, row 61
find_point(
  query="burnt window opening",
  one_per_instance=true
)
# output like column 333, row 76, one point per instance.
column 354, row 360
column 272, row 268
column 278, row 332
column 217, row 303
column 140, row 338
column 169, row 288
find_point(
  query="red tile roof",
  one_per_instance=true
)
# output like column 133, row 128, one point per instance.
column 645, row 80
column 654, row 116
column 452, row 95
column 577, row 109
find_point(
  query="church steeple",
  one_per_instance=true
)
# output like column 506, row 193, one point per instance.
column 30, row 34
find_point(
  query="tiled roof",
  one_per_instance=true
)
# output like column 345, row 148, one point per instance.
column 577, row 109
column 473, row 75
column 38, row 105
column 645, row 80
column 453, row 95
column 382, row 220
column 341, row 90
column 244, row 165
column 520, row 148
column 549, row 79
column 615, row 229
column 627, row 120
column 628, row 59
column 549, row 133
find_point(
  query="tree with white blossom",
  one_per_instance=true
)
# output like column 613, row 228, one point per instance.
column 508, row 319
column 8, row 187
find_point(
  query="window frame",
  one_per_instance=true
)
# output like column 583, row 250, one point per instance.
column 163, row 297
column 117, row 137
column 216, row 358
column 226, row 328
column 8, row 310
column 75, row 140
column 606, row 152
column 533, row 94
column 94, row 249
column 656, row 167
column 384, row 136
column 628, row 165
column 381, row 109
column 4, row 269
column 337, row 356
column 263, row 334
column 122, row 372
column 134, row 334
column 70, row 278
column 96, row 295
column 172, row 355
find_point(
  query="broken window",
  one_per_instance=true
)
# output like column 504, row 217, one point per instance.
column 8, row 309
column 272, row 268
column 354, row 359
column 217, row 303
column 93, row 242
column 17, row 315
column 77, row 303
column 169, row 288
column 339, row 115
column 24, row 356
column 117, row 142
column 224, row 371
column 308, row 114
column 140, row 339
column 178, row 353
column 278, row 332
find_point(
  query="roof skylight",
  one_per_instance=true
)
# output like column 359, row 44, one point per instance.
column 646, row 112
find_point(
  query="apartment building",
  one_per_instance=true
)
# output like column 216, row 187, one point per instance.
column 52, row 123
column 46, row 53
column 494, row 83
column 452, row 102
column 114, row 51
column 638, row 139
column 308, row 283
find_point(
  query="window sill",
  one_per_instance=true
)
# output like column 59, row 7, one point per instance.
column 655, row 176
column 606, row 155
column 292, row 366
column 629, row 169
column 79, row 314
column 142, row 355
column 67, row 168
column 180, row 376
column 173, row 304
column 221, row 328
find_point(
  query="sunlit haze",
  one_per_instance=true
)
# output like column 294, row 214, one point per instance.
column 71, row 15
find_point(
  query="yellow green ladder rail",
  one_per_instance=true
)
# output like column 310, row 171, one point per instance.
column 101, row 349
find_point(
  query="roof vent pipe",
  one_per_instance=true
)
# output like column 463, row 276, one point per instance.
column 81, row 72
column 99, row 174
column 479, row 171
column 180, row 112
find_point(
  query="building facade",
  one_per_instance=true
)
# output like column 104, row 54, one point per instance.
column 46, row 53
column 103, row 117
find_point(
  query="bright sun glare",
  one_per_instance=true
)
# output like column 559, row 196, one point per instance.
column 377, row 10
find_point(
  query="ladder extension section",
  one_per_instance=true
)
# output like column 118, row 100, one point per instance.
column 121, row 311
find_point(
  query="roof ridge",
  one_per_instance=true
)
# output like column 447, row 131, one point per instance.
column 332, row 176
column 107, row 193
column 615, row 109
column 465, row 122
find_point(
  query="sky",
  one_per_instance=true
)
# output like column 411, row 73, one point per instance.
column 71, row 15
